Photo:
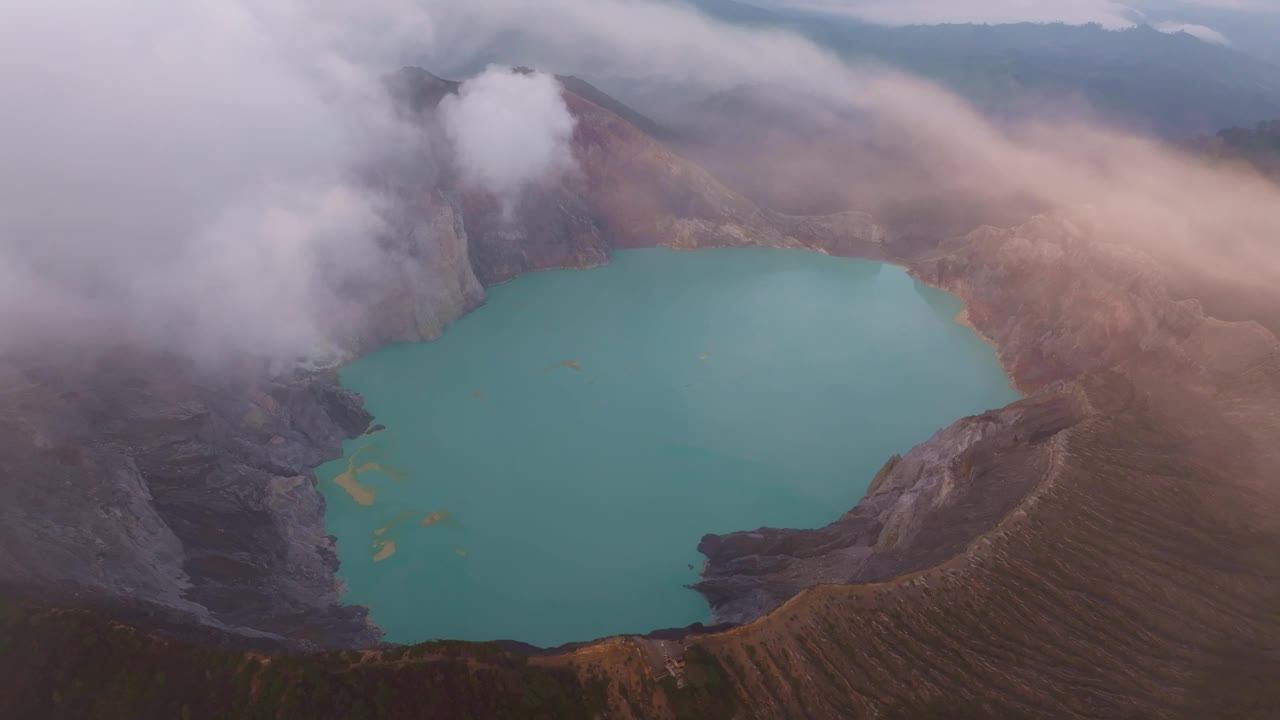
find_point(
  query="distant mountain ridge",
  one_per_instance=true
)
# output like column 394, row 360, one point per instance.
column 1257, row 147
column 1170, row 84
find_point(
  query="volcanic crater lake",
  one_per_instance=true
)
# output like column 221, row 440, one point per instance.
column 549, row 466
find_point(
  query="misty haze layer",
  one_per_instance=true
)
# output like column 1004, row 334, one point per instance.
column 1213, row 21
column 182, row 176
column 1197, row 218
column 175, row 174
column 510, row 130
column 183, row 179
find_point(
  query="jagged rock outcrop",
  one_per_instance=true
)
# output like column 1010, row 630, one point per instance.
column 1061, row 307
column 427, row 277
column 921, row 510
column 141, row 480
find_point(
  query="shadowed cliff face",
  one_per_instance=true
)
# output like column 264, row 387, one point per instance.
column 922, row 509
column 137, row 480
column 1075, row 320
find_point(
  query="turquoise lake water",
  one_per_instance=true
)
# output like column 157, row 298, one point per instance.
column 550, row 465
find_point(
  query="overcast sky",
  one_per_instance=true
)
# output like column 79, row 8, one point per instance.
column 1111, row 13
column 905, row 12
column 1214, row 21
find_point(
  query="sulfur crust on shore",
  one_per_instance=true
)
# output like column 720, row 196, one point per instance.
column 362, row 494
column 435, row 517
column 386, row 549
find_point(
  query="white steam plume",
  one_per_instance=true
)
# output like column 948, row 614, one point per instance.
column 176, row 174
column 509, row 130
column 1205, row 220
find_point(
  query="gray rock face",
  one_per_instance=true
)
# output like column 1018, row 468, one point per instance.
column 428, row 277
column 1065, row 312
column 177, row 489
column 922, row 509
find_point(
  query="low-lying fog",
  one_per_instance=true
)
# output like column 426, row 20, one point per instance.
column 185, row 176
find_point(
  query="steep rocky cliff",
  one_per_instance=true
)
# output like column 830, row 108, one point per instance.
column 921, row 510
column 1062, row 308
column 139, row 482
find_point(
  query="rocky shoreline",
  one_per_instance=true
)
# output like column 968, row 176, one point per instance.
column 184, row 499
column 927, row 506
column 157, row 488
column 922, row 509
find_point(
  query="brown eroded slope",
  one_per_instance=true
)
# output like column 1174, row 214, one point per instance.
column 1138, row 577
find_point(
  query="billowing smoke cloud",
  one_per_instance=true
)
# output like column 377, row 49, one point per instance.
column 509, row 129
column 1214, row 221
column 179, row 173
column 176, row 174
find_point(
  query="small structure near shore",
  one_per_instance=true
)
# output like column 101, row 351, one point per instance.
column 671, row 667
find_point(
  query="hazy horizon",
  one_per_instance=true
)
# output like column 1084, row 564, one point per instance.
column 212, row 205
